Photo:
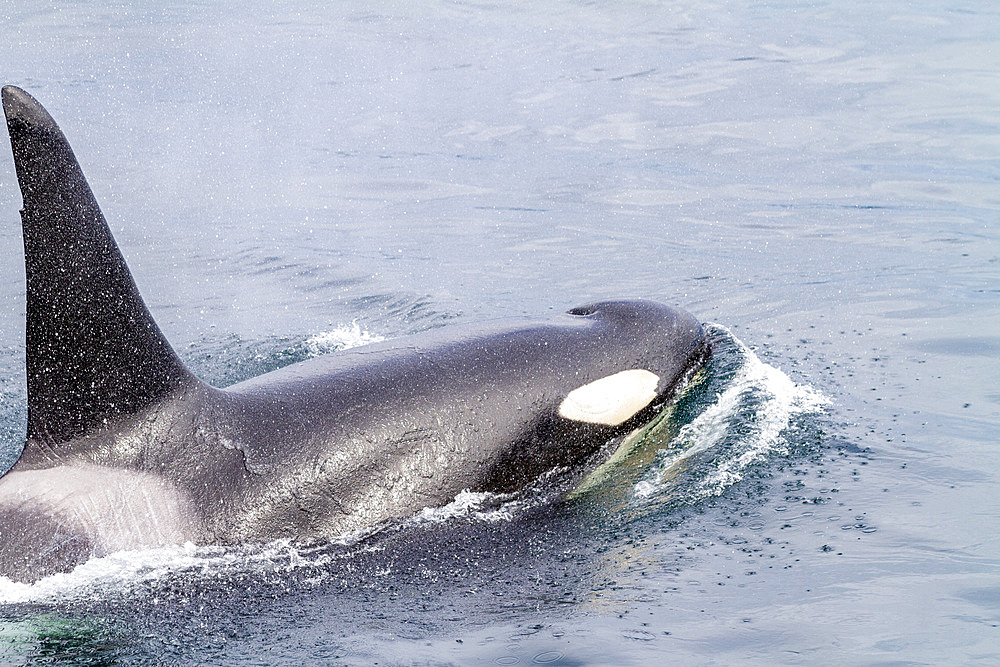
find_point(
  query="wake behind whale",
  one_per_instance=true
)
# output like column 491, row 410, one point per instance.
column 127, row 449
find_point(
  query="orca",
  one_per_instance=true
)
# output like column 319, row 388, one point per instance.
column 126, row 449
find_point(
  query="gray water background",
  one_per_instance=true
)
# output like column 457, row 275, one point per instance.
column 820, row 178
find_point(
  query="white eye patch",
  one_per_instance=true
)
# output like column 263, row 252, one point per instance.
column 611, row 400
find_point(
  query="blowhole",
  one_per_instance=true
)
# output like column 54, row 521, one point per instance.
column 582, row 311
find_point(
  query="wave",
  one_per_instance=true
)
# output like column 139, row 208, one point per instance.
column 755, row 406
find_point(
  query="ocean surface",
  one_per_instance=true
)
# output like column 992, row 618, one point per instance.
column 819, row 182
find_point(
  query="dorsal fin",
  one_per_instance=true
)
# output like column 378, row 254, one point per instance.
column 94, row 355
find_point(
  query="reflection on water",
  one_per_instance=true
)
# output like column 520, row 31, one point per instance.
column 51, row 638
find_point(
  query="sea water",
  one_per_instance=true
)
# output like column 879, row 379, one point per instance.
column 818, row 182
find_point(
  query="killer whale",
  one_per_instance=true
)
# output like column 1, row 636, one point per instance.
column 125, row 448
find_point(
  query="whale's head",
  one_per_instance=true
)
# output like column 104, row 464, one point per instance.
column 598, row 371
column 648, row 349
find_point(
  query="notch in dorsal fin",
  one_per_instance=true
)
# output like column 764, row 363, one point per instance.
column 94, row 354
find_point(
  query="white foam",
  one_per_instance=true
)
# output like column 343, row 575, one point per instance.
column 341, row 338
column 762, row 390
column 469, row 504
column 122, row 570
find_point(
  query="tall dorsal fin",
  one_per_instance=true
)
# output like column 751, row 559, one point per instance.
column 94, row 354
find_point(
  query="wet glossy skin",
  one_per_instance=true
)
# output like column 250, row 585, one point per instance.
column 126, row 448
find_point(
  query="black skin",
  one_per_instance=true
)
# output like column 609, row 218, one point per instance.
column 313, row 450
